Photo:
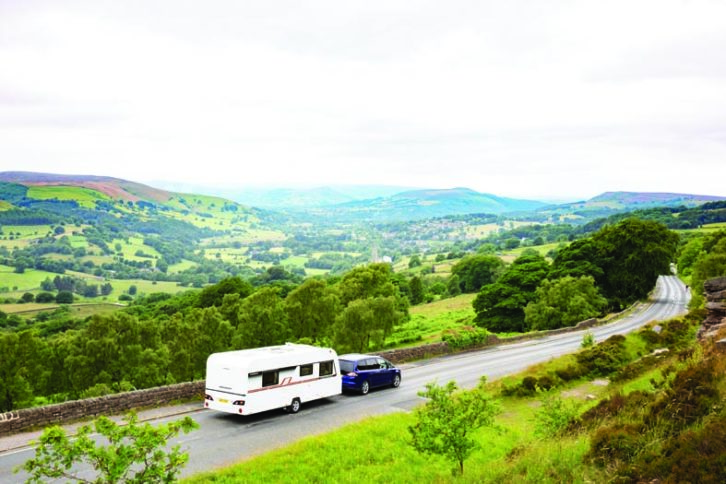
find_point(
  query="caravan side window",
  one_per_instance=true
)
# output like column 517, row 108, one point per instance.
column 306, row 370
column 326, row 368
column 270, row 378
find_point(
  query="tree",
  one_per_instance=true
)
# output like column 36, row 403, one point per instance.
column 710, row 263
column 28, row 297
column 134, row 453
column 500, row 306
column 564, row 302
column 64, row 297
column 132, row 290
column 453, row 285
column 417, row 290
column 636, row 252
column 445, row 424
column 415, row 261
column 214, row 294
column 311, row 309
column 366, row 322
column 262, row 320
column 475, row 271
column 20, row 368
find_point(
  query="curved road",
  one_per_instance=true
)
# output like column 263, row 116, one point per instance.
column 225, row 438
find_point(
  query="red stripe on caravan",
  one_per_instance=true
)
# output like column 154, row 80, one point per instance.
column 284, row 384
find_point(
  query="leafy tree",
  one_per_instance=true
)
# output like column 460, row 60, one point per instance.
column 710, row 263
column 636, row 253
column 262, row 320
column 445, row 424
column 500, row 306
column 311, row 310
column 132, row 290
column 417, row 290
column 453, row 285
column 214, row 294
column 28, row 297
column 366, row 322
column 373, row 280
column 20, row 368
column 135, row 452
column 564, row 302
column 688, row 255
column 414, row 261
column 475, row 271
column 44, row 297
column 581, row 258
column 106, row 289
column 64, row 297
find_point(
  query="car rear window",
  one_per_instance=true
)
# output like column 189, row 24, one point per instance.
column 347, row 366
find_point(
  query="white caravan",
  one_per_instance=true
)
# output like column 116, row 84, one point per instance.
column 286, row 376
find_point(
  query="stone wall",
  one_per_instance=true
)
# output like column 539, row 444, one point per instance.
column 24, row 419
column 715, row 307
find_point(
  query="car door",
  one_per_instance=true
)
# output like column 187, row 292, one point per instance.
column 382, row 376
column 372, row 371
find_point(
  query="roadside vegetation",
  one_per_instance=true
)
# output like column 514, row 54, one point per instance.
column 614, row 411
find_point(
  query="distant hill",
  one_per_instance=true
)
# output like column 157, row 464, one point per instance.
column 610, row 203
column 286, row 198
column 423, row 204
column 114, row 188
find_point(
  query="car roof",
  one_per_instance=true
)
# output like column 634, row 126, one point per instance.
column 355, row 356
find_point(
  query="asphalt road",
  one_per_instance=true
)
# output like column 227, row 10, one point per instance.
column 225, row 438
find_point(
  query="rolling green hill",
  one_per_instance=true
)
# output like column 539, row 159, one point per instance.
column 426, row 204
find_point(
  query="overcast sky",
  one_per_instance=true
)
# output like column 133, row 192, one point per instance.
column 535, row 99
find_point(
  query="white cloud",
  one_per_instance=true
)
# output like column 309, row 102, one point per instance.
column 513, row 98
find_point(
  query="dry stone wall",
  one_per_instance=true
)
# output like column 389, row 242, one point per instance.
column 16, row 421
column 23, row 419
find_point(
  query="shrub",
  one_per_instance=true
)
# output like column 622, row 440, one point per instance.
column 619, row 442
column 693, row 456
column 604, row 358
column 571, row 372
column 616, row 405
column 692, row 395
column 466, row 337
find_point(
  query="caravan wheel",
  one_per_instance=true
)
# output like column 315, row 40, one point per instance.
column 294, row 406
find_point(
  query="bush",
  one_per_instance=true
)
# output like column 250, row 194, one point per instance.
column 45, row 297
column 619, row 442
column 570, row 373
column 692, row 395
column 466, row 337
column 604, row 358
column 64, row 297
column 694, row 456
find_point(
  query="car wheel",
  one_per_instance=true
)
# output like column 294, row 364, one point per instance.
column 396, row 381
column 294, row 406
column 365, row 387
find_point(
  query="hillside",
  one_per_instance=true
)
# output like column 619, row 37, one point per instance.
column 610, row 203
column 426, row 204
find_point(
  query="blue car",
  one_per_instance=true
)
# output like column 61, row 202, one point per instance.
column 363, row 372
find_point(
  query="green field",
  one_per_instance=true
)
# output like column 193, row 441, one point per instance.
column 181, row 266
column 79, row 310
column 84, row 196
column 18, row 283
column 131, row 246
column 428, row 321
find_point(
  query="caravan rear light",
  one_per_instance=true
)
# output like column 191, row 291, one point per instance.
column 239, row 402
column 207, row 396
column 352, row 374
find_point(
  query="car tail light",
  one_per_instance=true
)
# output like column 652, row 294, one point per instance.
column 208, row 397
column 238, row 402
column 352, row 374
